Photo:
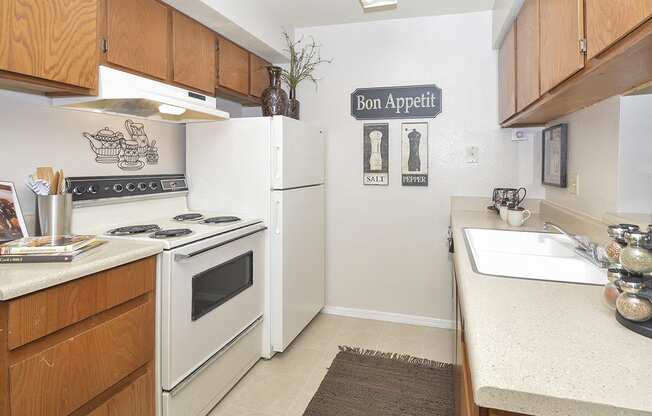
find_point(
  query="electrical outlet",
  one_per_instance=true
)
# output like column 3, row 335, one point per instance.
column 574, row 185
column 473, row 155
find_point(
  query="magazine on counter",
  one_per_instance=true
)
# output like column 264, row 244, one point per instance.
column 49, row 257
column 46, row 244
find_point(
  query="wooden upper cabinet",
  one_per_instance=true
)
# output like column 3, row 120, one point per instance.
column 137, row 36
column 193, row 53
column 55, row 40
column 259, row 76
column 562, row 29
column 233, row 67
column 608, row 21
column 527, row 54
column 507, row 76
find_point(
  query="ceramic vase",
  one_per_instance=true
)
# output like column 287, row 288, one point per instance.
column 294, row 105
column 274, row 99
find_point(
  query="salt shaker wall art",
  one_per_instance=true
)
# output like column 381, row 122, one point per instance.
column 375, row 163
column 131, row 154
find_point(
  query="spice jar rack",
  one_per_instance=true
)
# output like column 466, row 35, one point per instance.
column 629, row 290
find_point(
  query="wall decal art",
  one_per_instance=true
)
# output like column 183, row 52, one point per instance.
column 414, row 101
column 414, row 154
column 376, row 154
column 555, row 155
column 111, row 147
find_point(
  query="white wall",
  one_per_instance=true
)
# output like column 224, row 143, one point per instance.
column 635, row 155
column 34, row 134
column 593, row 155
column 386, row 248
column 504, row 14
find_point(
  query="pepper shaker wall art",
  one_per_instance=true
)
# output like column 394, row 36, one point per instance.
column 414, row 154
column 376, row 154
column 127, row 154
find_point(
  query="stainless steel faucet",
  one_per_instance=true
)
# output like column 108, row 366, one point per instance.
column 585, row 247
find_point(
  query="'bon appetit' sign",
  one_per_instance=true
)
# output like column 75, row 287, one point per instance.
column 416, row 101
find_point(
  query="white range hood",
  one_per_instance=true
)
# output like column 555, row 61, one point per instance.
column 130, row 95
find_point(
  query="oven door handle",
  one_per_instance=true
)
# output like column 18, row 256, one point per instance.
column 183, row 257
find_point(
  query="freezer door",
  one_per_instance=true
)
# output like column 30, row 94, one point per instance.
column 297, row 154
column 297, row 260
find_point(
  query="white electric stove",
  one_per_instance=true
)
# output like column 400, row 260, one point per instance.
column 210, row 281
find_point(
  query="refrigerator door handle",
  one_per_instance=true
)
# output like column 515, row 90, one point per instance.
column 277, row 229
column 278, row 162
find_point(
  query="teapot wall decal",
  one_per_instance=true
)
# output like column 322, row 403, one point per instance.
column 106, row 144
column 111, row 147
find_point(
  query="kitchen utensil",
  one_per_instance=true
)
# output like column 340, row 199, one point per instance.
column 53, row 214
column 38, row 186
column 633, row 307
column 517, row 216
column 636, row 257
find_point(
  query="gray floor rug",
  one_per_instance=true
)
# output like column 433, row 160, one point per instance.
column 371, row 383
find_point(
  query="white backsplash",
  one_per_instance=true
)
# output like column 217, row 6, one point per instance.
column 34, row 134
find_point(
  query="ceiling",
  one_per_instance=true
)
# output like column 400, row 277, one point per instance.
column 303, row 13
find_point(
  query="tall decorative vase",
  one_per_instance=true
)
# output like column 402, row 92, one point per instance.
column 294, row 105
column 274, row 99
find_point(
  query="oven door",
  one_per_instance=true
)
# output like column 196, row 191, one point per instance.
column 213, row 291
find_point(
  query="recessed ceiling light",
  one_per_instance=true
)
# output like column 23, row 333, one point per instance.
column 372, row 5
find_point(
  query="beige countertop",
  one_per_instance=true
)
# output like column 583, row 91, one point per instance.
column 547, row 349
column 21, row 279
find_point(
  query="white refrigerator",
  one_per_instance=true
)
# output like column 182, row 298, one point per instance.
column 271, row 168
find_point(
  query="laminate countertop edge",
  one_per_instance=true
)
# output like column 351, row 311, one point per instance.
column 21, row 279
column 544, row 348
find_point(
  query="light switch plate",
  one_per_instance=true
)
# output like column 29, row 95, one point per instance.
column 574, row 185
column 473, row 155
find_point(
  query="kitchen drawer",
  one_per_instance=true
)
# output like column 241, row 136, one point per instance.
column 136, row 398
column 212, row 381
column 57, row 378
column 38, row 314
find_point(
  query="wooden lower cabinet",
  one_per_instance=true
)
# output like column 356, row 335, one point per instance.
column 464, row 401
column 96, row 358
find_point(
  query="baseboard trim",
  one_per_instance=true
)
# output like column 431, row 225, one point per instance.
column 389, row 317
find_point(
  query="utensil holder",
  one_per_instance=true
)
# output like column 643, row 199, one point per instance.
column 53, row 214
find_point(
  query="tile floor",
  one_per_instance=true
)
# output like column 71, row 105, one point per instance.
column 284, row 385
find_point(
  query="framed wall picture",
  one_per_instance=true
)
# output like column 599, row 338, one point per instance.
column 414, row 154
column 555, row 156
column 12, row 223
column 375, row 164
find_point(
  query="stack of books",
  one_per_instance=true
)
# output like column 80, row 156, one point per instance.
column 47, row 249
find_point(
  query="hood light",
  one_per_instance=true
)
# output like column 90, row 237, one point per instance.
column 171, row 109
column 371, row 5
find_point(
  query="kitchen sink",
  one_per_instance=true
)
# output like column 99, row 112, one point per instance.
column 529, row 255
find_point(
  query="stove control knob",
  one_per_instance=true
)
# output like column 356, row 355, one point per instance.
column 78, row 190
column 92, row 189
column 142, row 186
column 118, row 187
column 131, row 187
column 153, row 186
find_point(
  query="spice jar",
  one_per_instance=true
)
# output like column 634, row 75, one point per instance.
column 634, row 308
column 610, row 291
column 618, row 233
column 637, row 256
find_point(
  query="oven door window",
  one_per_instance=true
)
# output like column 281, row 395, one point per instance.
column 214, row 286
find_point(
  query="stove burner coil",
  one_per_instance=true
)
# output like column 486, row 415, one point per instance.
column 176, row 232
column 220, row 220
column 134, row 229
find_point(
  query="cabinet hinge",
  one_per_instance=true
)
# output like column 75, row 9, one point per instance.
column 583, row 46
column 105, row 45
